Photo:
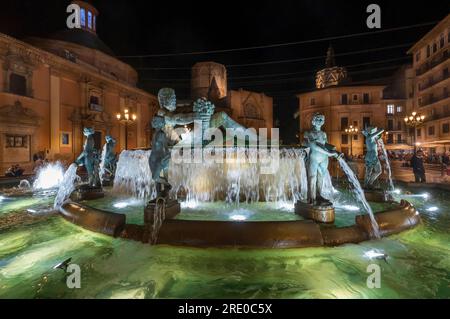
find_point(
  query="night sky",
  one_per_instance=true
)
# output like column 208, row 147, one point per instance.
column 133, row 28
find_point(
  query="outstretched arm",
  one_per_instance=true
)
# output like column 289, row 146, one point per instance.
column 377, row 133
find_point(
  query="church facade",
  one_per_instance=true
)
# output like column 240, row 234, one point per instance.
column 50, row 88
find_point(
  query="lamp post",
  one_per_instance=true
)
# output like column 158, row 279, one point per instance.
column 126, row 118
column 352, row 131
column 413, row 121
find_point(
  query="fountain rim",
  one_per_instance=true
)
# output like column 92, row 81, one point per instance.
column 244, row 234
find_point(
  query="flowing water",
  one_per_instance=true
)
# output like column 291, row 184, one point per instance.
column 50, row 175
column 387, row 164
column 101, row 171
column 67, row 186
column 233, row 181
column 359, row 193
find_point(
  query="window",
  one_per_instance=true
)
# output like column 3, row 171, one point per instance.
column 83, row 17
column 94, row 99
column 445, row 73
column 344, row 139
column 89, row 19
column 390, row 139
column 16, row 141
column 17, row 84
column 441, row 41
column 95, row 104
column 418, row 56
column 445, row 128
column 445, row 92
column 66, row 139
column 399, row 125
column 344, row 99
column 355, row 97
column 419, row 132
column 312, row 101
column 390, row 109
column 399, row 109
column 399, row 138
column 251, row 111
column 428, row 51
column 431, row 130
column 366, row 98
column 344, row 123
column 434, row 47
column 390, row 125
column 366, row 122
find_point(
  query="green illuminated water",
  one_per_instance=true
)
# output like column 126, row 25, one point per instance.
column 418, row 263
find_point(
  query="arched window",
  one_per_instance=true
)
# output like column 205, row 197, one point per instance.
column 18, row 84
column 251, row 111
column 83, row 17
column 89, row 19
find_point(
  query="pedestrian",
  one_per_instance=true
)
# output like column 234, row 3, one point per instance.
column 418, row 167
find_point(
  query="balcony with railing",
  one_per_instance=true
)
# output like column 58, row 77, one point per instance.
column 433, row 62
column 433, row 82
column 433, row 99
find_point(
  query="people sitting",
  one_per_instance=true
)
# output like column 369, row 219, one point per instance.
column 14, row 171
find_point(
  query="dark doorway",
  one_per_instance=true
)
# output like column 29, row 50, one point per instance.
column 98, row 140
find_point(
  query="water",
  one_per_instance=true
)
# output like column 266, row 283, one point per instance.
column 387, row 164
column 418, row 263
column 101, row 172
column 48, row 176
column 359, row 193
column 67, row 186
column 158, row 219
column 234, row 181
column 133, row 176
column 24, row 184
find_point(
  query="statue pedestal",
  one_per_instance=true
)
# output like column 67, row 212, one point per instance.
column 86, row 192
column 107, row 183
column 171, row 209
column 377, row 195
column 320, row 214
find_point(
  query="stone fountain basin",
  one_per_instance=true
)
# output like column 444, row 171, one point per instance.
column 245, row 234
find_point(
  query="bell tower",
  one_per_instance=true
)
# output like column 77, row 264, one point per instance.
column 209, row 80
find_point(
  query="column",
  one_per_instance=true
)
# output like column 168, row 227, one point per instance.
column 121, row 127
column 55, row 105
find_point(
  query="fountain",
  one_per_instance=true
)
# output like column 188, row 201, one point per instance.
column 198, row 169
column 108, row 162
column 373, row 166
column 89, row 159
column 67, row 186
column 387, row 165
column 318, row 207
column 49, row 176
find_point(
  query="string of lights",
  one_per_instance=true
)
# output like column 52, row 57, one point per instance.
column 310, row 71
column 331, row 38
column 288, row 60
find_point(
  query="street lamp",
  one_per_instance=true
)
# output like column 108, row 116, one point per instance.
column 414, row 120
column 352, row 131
column 126, row 118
